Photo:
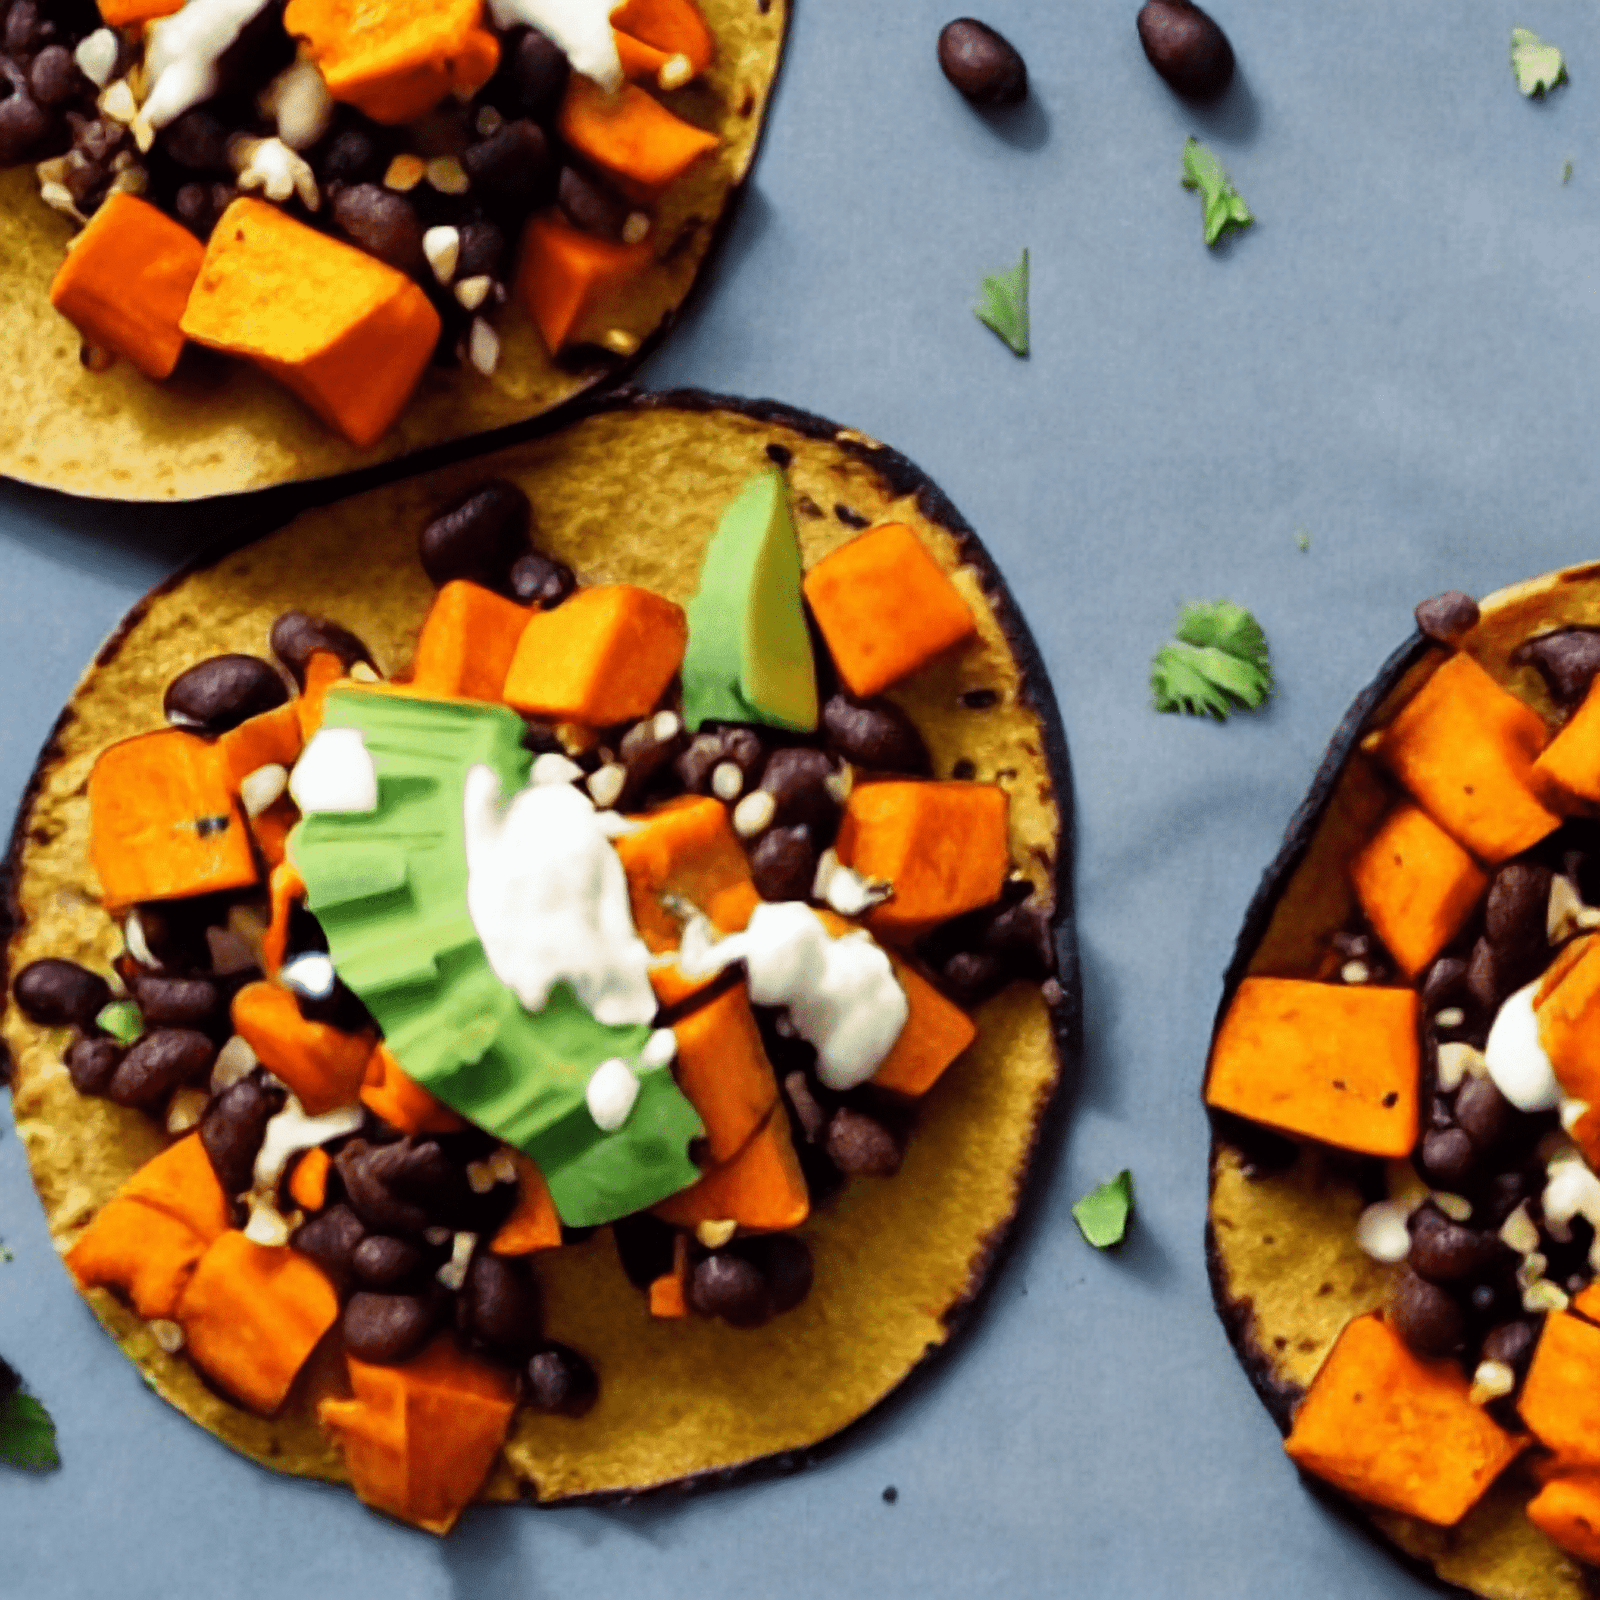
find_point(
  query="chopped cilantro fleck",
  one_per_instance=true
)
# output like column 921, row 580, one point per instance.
column 1224, row 205
column 1538, row 65
column 1102, row 1214
column 1003, row 305
column 27, row 1435
column 1218, row 662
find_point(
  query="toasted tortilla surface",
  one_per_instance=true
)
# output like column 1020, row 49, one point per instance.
column 1286, row 1271
column 217, row 427
column 630, row 493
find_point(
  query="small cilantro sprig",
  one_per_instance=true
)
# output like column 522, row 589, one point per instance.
column 1003, row 305
column 1218, row 662
column 1102, row 1214
column 122, row 1019
column 1224, row 205
column 27, row 1435
column 1538, row 65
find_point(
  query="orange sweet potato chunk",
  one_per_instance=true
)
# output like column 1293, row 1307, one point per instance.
column 602, row 657
column 182, row 1183
column 285, row 888
column 762, row 1187
column 1333, row 1062
column 1567, row 1005
column 943, row 847
column 885, row 607
column 271, row 738
column 1397, row 1431
column 650, row 32
column 533, row 1223
column 631, row 136
column 144, row 1252
column 723, row 1070
column 937, row 1030
column 467, row 641
column 163, row 821
column 419, row 1439
column 1560, row 1399
column 1571, row 761
column 123, row 13
column 346, row 333
column 252, row 1314
column 322, row 1065
column 400, row 1100
column 687, row 849
column 323, row 670
column 396, row 59
column 1416, row 885
column 126, row 281
column 308, row 1183
column 565, row 277
column 1567, row 1512
column 1465, row 749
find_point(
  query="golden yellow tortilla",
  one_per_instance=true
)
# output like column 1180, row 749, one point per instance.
column 1286, row 1270
column 631, row 493
column 218, row 428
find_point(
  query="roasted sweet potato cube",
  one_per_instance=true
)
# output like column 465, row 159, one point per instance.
column 252, row 1314
column 400, row 1100
column 163, row 824
column 533, row 1223
column 419, row 1439
column 631, row 136
column 1333, row 1062
column 324, row 1066
column 1567, row 1512
column 566, row 278
column 724, row 1071
column 1571, row 761
column 126, row 281
column 144, row 1252
column 467, row 641
column 1465, row 749
column 649, row 33
column 182, row 1182
column 1560, row 1399
column 762, row 1187
column 936, row 1032
column 342, row 330
column 1567, row 1004
column 1397, row 1431
column 1416, row 885
column 272, row 738
column 885, row 607
column 942, row 846
column 602, row 657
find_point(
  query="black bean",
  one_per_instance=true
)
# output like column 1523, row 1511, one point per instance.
column 559, row 1379
column 785, row 1262
column 421, row 1172
column 483, row 251
column 1483, row 1113
column 1485, row 984
column 726, row 1285
column 197, row 140
column 23, row 23
column 538, row 70
column 803, row 1103
column 57, row 993
column 381, row 1261
column 710, row 748
column 1021, row 936
column 512, row 171
column 216, row 695
column 970, row 976
column 1512, row 1343
column 296, row 635
column 352, row 155
column 1186, row 47
column 383, row 223
column 386, row 1328
column 589, row 206
column 784, row 863
column 1443, row 1251
column 1566, row 658
column 1447, row 617
column 1514, row 916
column 648, row 746
column 160, row 1062
column 232, row 1128
column 536, row 580
column 874, row 733
column 1425, row 1316
column 1446, row 983
column 365, row 1170
column 331, row 1240
column 1503, row 1193
column 644, row 1244
column 981, row 63
column 797, row 779
column 54, row 77
column 1448, row 1158
column 91, row 1063
column 478, row 537
column 498, row 1306
column 860, row 1146
column 175, row 930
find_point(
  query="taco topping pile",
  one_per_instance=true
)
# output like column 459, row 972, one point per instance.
column 342, row 194
column 608, row 912
column 1452, row 1039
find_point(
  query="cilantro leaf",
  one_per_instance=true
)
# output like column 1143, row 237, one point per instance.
column 122, row 1019
column 27, row 1435
column 1003, row 305
column 1102, row 1214
column 1218, row 662
column 1538, row 66
column 1224, row 205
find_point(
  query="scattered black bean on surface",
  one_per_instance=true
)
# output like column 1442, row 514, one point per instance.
column 57, row 993
column 54, row 77
column 1447, row 617
column 644, row 1245
column 366, row 1169
column 1483, row 1113
column 331, row 1239
column 92, row 1062
column 1566, row 658
column 797, row 778
column 1512, row 1343
column 1186, row 47
column 589, row 205
column 386, row 1328
column 232, row 1128
column 383, row 223
column 498, row 1306
column 536, row 580
column 163, row 1060
column 297, row 635
column 381, row 1261
column 538, row 70
column 560, row 1380
column 220, row 693
column 874, row 733
column 1425, row 1316
column 783, row 863
column 1448, row 1158
column 709, row 748
column 985, row 66
column 513, row 170
column 784, row 1260
column 478, row 537
column 728, row 1286
column 1443, row 1251
column 860, row 1146
column 169, row 1001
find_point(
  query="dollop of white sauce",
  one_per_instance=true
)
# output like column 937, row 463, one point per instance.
column 1516, row 1060
column 298, row 101
column 548, row 897
column 182, row 52
column 335, row 773
column 582, row 29
column 610, row 1094
column 841, row 994
column 1382, row 1232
